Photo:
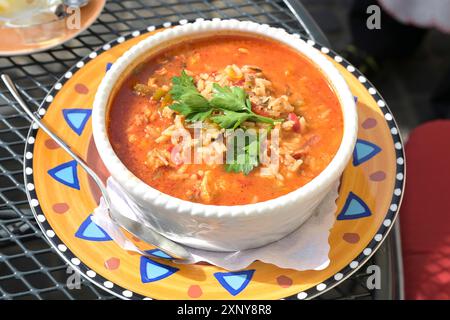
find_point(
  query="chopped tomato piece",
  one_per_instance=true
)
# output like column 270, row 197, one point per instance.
column 293, row 117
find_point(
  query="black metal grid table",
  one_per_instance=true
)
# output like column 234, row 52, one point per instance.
column 29, row 268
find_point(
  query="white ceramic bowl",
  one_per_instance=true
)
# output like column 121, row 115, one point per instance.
column 223, row 228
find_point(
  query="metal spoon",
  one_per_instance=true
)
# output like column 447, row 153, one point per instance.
column 139, row 230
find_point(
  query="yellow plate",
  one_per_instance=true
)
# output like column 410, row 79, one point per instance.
column 62, row 199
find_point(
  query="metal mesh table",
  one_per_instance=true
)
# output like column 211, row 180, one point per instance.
column 29, row 268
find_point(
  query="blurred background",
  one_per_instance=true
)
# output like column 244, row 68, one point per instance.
column 408, row 81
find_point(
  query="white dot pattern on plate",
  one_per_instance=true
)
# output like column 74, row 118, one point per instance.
column 80, row 65
column 381, row 103
column 397, row 192
column 91, row 273
column 302, row 295
column 30, row 186
column 28, row 171
column 354, row 264
column 387, row 223
column 50, row 233
column 351, row 68
column 108, row 284
column 367, row 251
column 321, row 286
column 378, row 237
column 127, row 294
column 28, row 155
column 338, row 276
column 75, row 261
column 393, row 207
column 400, row 176
column 49, row 98
column 41, row 218
column 62, row 248
column 372, row 91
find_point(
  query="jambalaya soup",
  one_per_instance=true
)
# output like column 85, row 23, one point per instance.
column 199, row 91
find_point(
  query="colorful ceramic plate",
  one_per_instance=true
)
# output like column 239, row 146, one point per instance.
column 27, row 40
column 63, row 199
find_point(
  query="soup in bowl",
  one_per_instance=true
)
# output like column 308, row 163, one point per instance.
column 226, row 134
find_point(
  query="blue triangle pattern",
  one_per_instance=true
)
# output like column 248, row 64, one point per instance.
column 77, row 119
column 108, row 66
column 88, row 230
column 364, row 150
column 354, row 208
column 66, row 174
column 153, row 271
column 234, row 282
column 158, row 254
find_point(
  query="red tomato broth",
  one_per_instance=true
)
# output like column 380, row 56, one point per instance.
column 286, row 68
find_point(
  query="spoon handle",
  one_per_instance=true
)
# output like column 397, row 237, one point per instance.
column 13, row 90
column 136, row 228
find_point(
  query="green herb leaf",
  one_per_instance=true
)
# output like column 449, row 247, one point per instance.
column 195, row 101
column 246, row 159
column 231, row 119
column 199, row 116
column 190, row 103
column 182, row 85
column 230, row 98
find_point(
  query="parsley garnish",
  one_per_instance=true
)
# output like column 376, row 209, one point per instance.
column 190, row 103
column 229, row 107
